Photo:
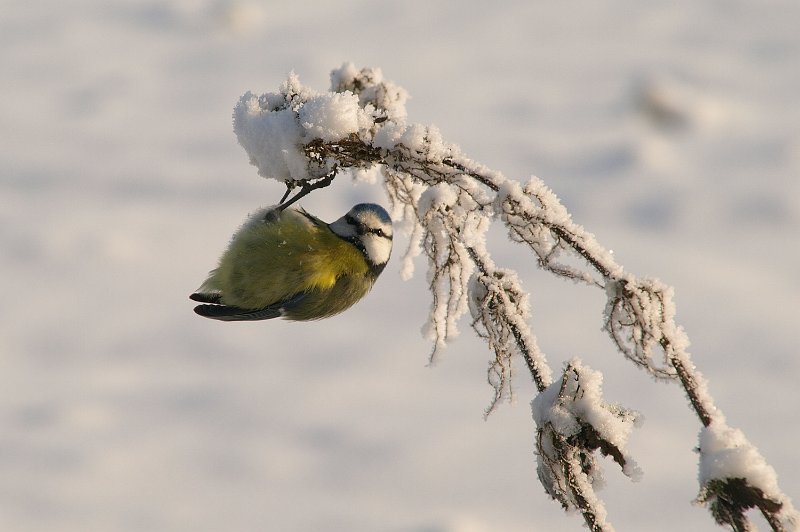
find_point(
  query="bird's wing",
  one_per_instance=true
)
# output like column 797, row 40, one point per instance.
column 231, row 313
column 311, row 218
column 226, row 313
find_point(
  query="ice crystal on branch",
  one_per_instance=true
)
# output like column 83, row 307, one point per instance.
column 446, row 202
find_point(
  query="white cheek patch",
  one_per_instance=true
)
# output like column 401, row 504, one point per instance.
column 378, row 248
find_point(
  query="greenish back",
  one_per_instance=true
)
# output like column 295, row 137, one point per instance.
column 271, row 259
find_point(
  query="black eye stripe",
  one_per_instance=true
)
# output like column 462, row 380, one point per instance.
column 376, row 231
column 362, row 229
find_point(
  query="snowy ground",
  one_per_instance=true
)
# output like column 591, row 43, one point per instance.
column 669, row 129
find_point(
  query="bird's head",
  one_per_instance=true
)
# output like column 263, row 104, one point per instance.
column 369, row 227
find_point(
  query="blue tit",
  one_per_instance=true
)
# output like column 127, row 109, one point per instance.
column 288, row 263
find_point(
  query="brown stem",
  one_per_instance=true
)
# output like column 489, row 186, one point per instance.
column 689, row 384
column 570, row 475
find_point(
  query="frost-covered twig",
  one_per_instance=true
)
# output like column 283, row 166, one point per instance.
column 302, row 137
column 573, row 421
column 500, row 312
column 734, row 478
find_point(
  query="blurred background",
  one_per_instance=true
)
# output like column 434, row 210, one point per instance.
column 670, row 129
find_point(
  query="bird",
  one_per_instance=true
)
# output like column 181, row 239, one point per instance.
column 284, row 262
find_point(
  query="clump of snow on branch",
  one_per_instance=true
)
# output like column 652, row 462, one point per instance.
column 273, row 128
column 372, row 89
column 270, row 134
column 333, row 116
column 574, row 406
column 726, row 453
column 572, row 418
column 734, row 477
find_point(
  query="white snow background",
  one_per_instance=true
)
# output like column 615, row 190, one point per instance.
column 670, row 129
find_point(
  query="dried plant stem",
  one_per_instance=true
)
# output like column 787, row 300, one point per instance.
column 450, row 200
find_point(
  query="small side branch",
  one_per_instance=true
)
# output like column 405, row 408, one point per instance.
column 498, row 313
column 305, row 188
column 578, row 488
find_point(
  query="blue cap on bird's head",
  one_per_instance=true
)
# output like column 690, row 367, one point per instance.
column 367, row 209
